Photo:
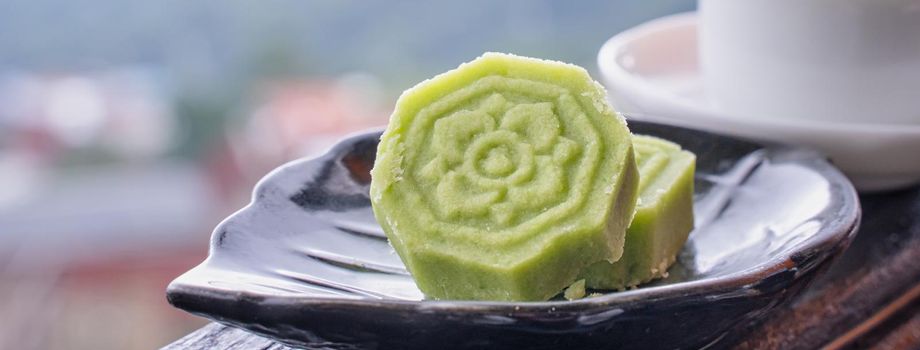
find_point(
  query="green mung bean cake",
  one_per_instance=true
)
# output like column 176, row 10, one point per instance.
column 663, row 220
column 504, row 178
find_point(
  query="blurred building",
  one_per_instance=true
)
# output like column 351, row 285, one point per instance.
column 290, row 119
column 97, row 214
column 95, row 219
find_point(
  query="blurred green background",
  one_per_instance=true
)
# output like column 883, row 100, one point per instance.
column 129, row 129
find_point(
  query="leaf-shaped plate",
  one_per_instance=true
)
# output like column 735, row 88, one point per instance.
column 306, row 263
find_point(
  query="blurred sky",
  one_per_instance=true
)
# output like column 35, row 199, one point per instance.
column 128, row 129
column 210, row 43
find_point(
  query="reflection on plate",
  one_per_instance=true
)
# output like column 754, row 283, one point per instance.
column 306, row 263
column 651, row 71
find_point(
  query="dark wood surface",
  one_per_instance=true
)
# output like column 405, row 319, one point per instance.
column 869, row 297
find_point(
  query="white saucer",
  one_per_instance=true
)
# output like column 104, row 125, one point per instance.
column 651, row 73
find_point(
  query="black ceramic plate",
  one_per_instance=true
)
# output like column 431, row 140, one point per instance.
column 306, row 263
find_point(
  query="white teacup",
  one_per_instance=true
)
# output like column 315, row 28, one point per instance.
column 826, row 60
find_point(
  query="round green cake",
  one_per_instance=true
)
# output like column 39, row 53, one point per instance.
column 503, row 179
column 663, row 219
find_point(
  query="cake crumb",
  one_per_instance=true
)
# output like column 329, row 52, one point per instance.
column 575, row 291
